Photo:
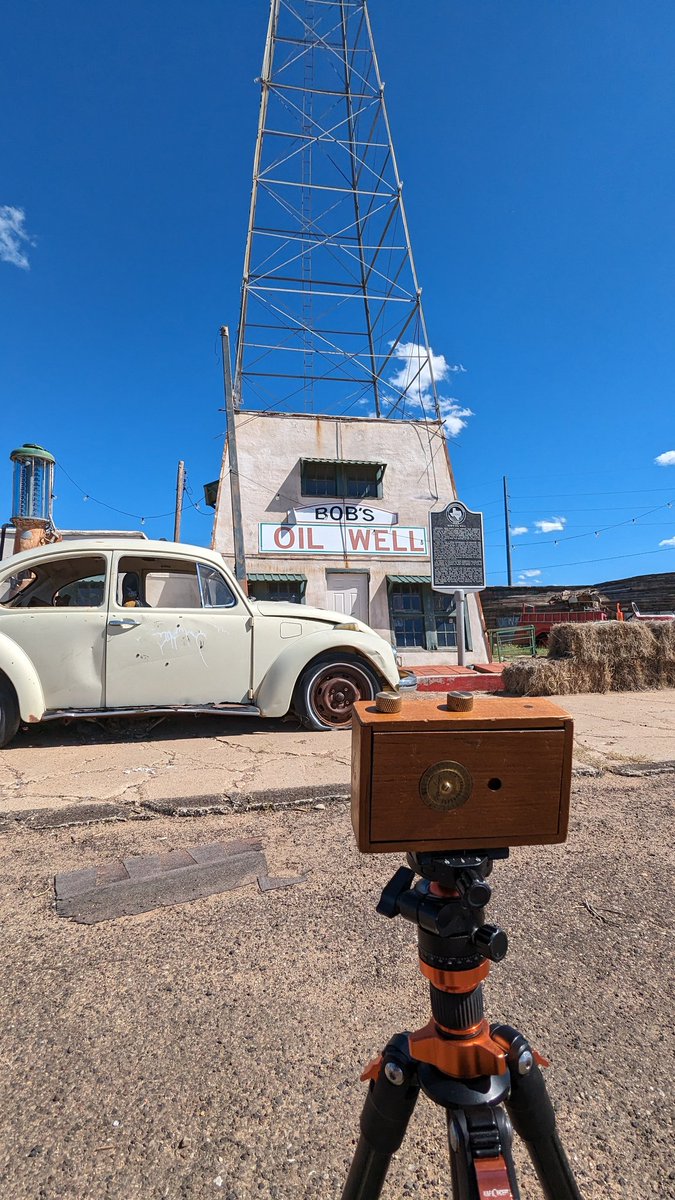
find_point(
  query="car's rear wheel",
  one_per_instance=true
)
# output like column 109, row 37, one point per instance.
column 329, row 690
column 9, row 711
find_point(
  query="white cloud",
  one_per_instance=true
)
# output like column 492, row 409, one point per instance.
column 13, row 237
column 553, row 525
column 528, row 575
column 414, row 377
column 454, row 415
column 667, row 459
column 518, row 530
column 668, row 542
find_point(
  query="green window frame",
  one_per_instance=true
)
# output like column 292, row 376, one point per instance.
column 267, row 587
column 337, row 478
column 422, row 619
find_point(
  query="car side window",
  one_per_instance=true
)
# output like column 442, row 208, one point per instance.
column 158, row 583
column 63, row 582
column 215, row 590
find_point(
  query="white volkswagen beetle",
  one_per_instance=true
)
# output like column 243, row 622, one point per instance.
column 108, row 627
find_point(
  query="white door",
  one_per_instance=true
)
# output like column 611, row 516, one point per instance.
column 176, row 635
column 347, row 592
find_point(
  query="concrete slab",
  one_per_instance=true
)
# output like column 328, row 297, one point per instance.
column 196, row 766
column 622, row 726
column 145, row 882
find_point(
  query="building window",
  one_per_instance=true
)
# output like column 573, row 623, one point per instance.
column 420, row 618
column 346, row 479
column 290, row 588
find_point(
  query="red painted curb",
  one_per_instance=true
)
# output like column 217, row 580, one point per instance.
column 472, row 681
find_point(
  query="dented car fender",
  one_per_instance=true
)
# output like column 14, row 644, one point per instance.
column 275, row 693
column 17, row 666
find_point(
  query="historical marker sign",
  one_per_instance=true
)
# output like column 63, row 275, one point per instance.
column 457, row 551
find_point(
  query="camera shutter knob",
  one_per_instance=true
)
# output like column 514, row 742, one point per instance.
column 491, row 941
column 459, row 701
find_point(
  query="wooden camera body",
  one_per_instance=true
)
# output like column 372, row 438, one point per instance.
column 426, row 778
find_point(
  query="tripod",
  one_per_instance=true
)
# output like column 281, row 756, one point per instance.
column 477, row 1073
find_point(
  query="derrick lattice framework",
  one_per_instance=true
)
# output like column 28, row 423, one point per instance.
column 331, row 318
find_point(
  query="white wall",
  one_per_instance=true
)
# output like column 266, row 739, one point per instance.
column 418, row 478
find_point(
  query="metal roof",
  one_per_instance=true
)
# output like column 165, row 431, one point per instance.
column 346, row 462
column 285, row 578
column 408, row 579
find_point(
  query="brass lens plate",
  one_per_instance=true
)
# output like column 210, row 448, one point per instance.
column 445, row 786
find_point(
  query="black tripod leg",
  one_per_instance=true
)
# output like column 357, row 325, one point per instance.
column 481, row 1162
column 389, row 1104
column 531, row 1111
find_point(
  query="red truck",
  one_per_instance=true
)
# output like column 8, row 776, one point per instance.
column 543, row 619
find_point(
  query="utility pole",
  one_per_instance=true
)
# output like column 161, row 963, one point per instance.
column 460, row 599
column 507, row 531
column 235, row 494
column 180, row 488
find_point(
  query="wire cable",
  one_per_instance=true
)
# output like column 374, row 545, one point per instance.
column 122, row 512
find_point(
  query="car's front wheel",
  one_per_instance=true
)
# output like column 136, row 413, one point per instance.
column 329, row 691
column 9, row 711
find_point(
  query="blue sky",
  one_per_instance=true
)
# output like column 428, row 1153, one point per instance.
column 534, row 138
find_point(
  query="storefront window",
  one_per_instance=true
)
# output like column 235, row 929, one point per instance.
column 290, row 590
column 421, row 618
column 407, row 615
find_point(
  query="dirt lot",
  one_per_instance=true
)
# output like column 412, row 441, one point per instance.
column 214, row 1048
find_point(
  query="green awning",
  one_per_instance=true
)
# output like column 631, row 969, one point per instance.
column 409, row 579
column 277, row 578
column 346, row 462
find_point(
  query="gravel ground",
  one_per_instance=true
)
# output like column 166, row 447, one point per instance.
column 214, row 1049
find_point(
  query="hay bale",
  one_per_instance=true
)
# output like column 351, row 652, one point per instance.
column 599, row 656
column 554, row 677
column 625, row 650
column 664, row 636
column 601, row 641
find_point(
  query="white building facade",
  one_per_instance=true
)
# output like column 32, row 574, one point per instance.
column 335, row 514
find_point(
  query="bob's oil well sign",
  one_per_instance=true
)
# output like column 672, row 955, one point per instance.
column 342, row 528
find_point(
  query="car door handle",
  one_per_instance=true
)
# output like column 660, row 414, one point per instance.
column 123, row 621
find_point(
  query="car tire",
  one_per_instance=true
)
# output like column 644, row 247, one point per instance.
column 9, row 711
column 329, row 689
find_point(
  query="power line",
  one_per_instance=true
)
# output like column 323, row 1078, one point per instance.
column 602, row 529
column 584, row 561
column 123, row 512
column 623, row 492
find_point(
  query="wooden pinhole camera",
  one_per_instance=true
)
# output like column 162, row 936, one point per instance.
column 427, row 778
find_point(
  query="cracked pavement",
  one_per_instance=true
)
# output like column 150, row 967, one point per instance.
column 58, row 765
column 136, row 762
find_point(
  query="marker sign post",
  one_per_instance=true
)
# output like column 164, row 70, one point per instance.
column 457, row 558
